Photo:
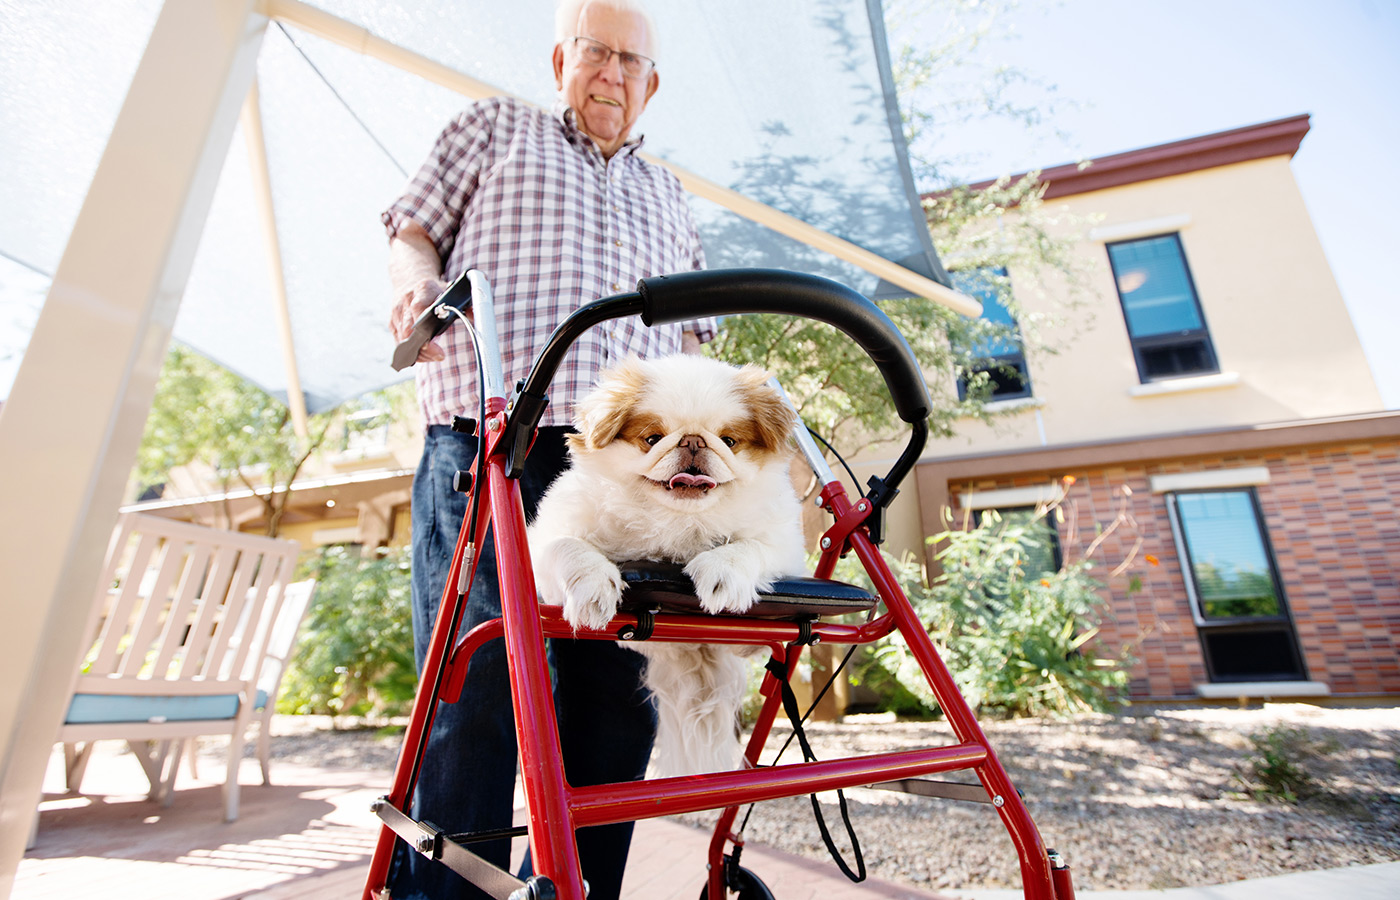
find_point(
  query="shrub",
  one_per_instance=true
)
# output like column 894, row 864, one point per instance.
column 355, row 655
column 1275, row 770
column 1017, row 641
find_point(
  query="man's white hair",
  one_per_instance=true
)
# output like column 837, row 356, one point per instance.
column 566, row 15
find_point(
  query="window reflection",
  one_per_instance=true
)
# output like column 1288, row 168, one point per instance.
column 1229, row 561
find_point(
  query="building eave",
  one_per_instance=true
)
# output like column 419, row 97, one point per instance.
column 1066, row 458
column 1281, row 137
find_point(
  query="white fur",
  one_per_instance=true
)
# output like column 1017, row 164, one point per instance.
column 733, row 539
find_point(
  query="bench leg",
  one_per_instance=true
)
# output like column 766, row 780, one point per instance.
column 75, row 760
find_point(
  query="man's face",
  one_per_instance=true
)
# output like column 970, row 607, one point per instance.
column 606, row 102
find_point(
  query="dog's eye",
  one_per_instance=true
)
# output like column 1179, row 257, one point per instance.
column 728, row 441
column 652, row 439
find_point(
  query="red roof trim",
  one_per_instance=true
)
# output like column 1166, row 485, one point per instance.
column 1281, row 137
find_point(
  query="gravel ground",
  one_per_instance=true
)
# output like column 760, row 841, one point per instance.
column 1151, row 798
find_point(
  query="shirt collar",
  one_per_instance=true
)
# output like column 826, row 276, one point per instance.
column 567, row 117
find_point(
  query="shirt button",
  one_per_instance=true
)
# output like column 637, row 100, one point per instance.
column 616, row 286
column 619, row 243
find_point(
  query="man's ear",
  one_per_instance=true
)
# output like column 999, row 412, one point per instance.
column 559, row 67
column 653, row 82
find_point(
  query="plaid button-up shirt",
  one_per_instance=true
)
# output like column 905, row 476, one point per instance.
column 527, row 198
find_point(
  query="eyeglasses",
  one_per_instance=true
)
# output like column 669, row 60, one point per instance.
column 596, row 54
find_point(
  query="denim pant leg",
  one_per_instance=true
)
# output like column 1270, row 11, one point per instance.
column 467, row 782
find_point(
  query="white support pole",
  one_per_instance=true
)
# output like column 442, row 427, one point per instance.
column 361, row 40
column 267, row 214
column 69, row 431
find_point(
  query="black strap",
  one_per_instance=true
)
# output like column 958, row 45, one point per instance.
column 779, row 671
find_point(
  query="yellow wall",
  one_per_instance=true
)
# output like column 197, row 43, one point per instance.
column 306, row 533
column 1273, row 309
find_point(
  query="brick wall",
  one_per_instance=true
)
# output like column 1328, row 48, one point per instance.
column 1333, row 518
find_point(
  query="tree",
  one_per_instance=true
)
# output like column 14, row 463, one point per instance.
column 355, row 655
column 205, row 415
column 831, row 381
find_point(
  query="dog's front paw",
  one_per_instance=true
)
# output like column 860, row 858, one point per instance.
column 722, row 582
column 591, row 591
column 572, row 573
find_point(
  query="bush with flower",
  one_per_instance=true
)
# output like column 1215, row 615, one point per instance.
column 1018, row 635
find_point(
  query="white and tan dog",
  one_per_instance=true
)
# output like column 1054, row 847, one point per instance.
column 682, row 459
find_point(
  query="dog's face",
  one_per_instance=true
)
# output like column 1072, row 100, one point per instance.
column 684, row 429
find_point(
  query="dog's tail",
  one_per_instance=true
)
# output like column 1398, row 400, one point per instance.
column 699, row 689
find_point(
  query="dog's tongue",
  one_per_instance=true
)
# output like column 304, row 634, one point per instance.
column 685, row 479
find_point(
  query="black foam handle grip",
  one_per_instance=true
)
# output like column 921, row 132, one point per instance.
column 722, row 292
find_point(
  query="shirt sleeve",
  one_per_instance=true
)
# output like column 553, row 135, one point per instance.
column 437, row 196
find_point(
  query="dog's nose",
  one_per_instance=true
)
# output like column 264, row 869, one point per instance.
column 692, row 442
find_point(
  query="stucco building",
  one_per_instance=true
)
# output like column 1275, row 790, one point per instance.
column 1219, row 379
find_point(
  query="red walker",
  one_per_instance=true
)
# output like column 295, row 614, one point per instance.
column 657, row 612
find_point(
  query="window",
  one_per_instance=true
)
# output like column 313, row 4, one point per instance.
column 1234, row 587
column 366, row 434
column 1042, row 546
column 1163, row 313
column 1230, row 565
column 993, row 344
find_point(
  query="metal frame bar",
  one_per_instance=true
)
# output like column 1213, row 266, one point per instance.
column 556, row 809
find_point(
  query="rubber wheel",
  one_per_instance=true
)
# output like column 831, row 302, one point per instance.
column 746, row 884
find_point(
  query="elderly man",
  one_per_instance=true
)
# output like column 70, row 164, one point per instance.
column 557, row 210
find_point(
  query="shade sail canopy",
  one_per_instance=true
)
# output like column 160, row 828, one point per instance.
column 788, row 103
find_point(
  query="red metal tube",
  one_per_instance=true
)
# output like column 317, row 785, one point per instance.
column 721, row 630
column 462, row 654
column 1030, row 849
column 547, row 795
column 420, row 719
column 1060, row 875
column 626, row 802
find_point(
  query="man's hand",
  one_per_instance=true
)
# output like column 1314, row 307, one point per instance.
column 416, row 273
column 408, row 306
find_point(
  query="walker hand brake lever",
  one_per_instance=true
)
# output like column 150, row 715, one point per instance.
column 433, row 321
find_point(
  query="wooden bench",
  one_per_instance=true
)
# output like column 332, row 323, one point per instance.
column 181, row 624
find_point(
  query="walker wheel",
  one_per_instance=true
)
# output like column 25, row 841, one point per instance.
column 746, row 884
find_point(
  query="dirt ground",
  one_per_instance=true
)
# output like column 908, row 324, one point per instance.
column 1152, row 798
column 1149, row 798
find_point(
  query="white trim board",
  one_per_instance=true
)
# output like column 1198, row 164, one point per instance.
column 1003, row 498
column 1248, row 476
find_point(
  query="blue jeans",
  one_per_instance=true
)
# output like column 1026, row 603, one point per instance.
column 467, row 781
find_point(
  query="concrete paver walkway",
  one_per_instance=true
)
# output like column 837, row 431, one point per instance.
column 310, row 836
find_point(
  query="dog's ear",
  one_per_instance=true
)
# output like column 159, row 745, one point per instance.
column 772, row 418
column 601, row 414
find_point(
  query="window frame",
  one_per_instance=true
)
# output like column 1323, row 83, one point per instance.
column 1184, row 337
column 1210, row 630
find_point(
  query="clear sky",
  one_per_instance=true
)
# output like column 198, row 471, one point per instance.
column 1146, row 72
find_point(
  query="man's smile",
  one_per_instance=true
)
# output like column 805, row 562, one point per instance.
column 606, row 101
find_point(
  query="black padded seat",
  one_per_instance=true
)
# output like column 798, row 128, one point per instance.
column 664, row 586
